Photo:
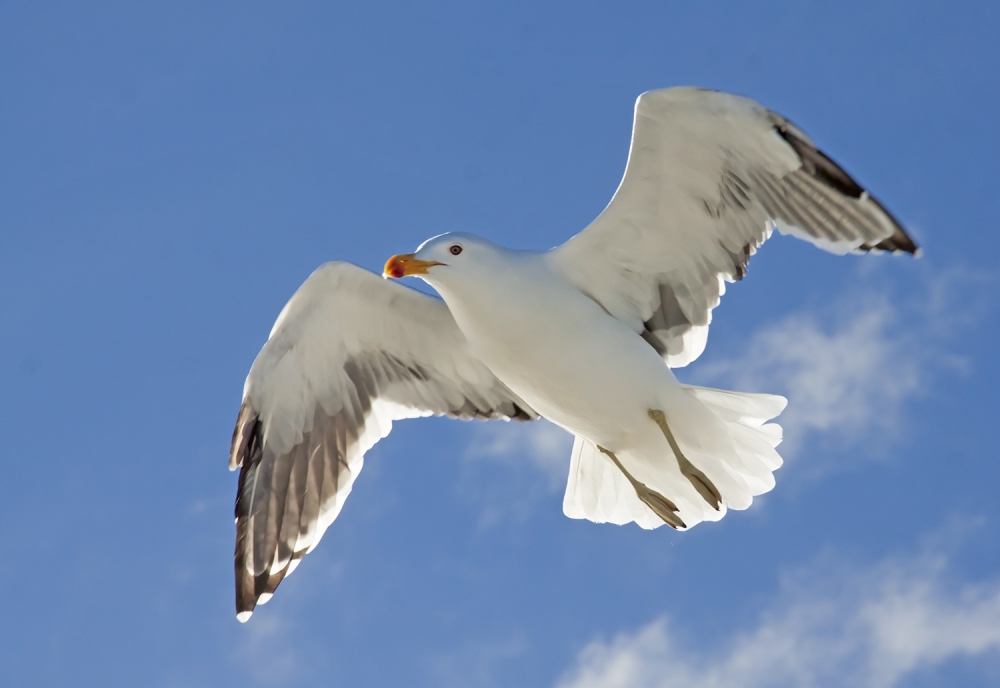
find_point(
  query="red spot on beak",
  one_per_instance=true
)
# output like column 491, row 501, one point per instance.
column 406, row 265
column 395, row 267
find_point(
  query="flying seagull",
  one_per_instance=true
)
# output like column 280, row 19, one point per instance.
column 584, row 335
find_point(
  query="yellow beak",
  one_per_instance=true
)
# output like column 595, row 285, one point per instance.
column 406, row 265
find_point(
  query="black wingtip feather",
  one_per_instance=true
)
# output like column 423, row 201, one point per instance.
column 246, row 453
column 281, row 497
column 899, row 241
column 816, row 163
column 819, row 166
column 247, row 431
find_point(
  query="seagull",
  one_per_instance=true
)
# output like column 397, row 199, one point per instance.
column 584, row 335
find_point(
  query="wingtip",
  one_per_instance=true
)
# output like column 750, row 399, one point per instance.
column 899, row 241
column 243, row 617
column 246, row 436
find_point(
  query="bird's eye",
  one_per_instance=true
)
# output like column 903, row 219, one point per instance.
column 455, row 249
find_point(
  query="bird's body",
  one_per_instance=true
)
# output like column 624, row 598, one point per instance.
column 592, row 375
column 566, row 357
column 584, row 335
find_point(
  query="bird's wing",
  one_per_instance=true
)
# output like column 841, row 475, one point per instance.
column 349, row 354
column 709, row 175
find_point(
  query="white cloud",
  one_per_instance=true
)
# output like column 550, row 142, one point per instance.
column 544, row 445
column 266, row 652
column 832, row 626
column 850, row 368
column 509, row 467
column 476, row 661
column 845, row 377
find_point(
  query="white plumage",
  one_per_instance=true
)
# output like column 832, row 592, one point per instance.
column 583, row 335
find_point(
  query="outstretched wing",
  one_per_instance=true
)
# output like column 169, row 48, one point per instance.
column 709, row 175
column 349, row 354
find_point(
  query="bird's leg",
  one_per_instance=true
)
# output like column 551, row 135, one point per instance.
column 709, row 492
column 660, row 505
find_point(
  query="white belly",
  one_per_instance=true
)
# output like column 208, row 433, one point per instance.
column 567, row 358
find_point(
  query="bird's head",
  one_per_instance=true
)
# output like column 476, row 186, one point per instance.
column 455, row 252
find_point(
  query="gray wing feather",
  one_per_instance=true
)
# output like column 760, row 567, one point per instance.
column 348, row 355
column 709, row 176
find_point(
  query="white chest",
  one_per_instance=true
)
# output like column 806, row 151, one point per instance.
column 560, row 351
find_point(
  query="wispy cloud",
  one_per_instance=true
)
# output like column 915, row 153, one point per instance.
column 509, row 467
column 544, row 445
column 476, row 661
column 267, row 654
column 832, row 626
column 844, row 376
column 850, row 368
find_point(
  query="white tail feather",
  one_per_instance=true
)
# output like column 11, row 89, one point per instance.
column 724, row 434
column 598, row 491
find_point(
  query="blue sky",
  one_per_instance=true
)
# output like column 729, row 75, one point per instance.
column 170, row 173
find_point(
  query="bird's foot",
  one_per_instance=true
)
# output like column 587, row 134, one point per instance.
column 708, row 491
column 660, row 505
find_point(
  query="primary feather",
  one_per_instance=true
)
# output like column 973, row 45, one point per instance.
column 349, row 354
column 709, row 175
